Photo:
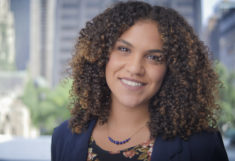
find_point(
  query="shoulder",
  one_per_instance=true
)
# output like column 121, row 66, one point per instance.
column 58, row 140
column 203, row 146
column 62, row 129
column 206, row 144
column 60, row 134
column 205, row 139
column 66, row 144
column 63, row 133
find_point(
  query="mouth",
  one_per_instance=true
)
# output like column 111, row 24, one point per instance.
column 132, row 83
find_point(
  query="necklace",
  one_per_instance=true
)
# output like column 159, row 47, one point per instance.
column 126, row 140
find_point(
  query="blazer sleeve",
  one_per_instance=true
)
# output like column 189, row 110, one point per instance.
column 58, row 141
column 53, row 158
column 219, row 153
column 55, row 148
column 205, row 146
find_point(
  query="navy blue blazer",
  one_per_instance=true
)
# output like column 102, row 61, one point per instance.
column 204, row 146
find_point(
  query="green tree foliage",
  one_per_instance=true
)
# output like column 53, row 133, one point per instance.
column 48, row 107
column 227, row 96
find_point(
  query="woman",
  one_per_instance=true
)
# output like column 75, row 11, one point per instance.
column 143, row 89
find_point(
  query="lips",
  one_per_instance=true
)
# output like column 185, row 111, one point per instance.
column 132, row 83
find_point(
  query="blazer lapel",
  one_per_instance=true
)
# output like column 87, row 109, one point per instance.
column 163, row 150
column 166, row 150
column 80, row 149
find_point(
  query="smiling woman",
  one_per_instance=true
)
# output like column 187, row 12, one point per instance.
column 143, row 89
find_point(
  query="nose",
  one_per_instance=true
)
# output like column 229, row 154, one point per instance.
column 135, row 66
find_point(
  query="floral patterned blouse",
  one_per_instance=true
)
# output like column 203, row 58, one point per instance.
column 141, row 152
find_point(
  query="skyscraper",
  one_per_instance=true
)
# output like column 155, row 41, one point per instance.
column 21, row 14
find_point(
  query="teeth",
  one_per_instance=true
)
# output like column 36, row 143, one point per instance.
column 131, row 83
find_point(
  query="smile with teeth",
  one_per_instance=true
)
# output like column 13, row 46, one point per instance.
column 132, row 83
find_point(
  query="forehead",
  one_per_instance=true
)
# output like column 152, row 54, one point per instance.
column 143, row 32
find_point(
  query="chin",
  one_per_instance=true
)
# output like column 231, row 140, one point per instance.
column 133, row 104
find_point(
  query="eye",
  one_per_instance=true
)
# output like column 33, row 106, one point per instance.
column 155, row 58
column 123, row 49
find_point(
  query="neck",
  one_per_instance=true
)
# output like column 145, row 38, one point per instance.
column 128, row 117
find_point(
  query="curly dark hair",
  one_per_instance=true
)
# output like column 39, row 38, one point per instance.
column 185, row 103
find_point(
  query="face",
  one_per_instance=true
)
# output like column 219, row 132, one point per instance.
column 136, row 67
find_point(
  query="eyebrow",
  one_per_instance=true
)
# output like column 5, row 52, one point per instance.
column 125, row 42
column 149, row 51
column 155, row 51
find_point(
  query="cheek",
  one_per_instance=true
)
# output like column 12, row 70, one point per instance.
column 110, row 68
column 158, row 75
column 113, row 64
column 107, row 72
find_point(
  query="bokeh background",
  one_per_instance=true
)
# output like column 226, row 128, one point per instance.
column 37, row 40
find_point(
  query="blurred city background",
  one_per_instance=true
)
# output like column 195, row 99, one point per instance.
column 37, row 40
